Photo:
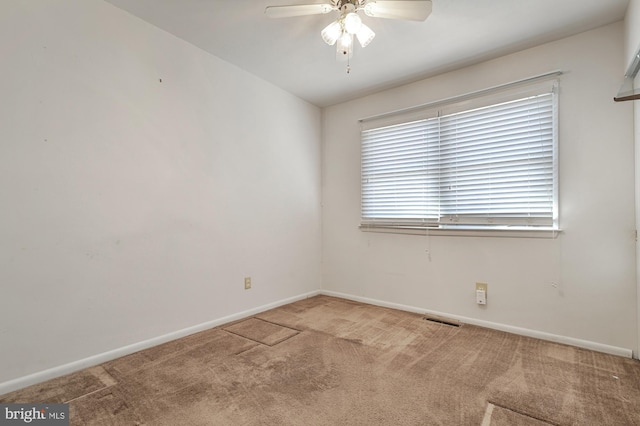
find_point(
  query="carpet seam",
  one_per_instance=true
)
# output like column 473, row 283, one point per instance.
column 279, row 325
column 91, row 393
column 259, row 342
column 524, row 414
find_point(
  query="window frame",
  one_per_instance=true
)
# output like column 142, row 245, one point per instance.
column 547, row 83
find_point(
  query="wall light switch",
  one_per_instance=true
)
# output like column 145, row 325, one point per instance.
column 481, row 293
column 481, row 297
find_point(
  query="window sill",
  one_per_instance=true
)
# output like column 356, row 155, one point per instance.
column 468, row 231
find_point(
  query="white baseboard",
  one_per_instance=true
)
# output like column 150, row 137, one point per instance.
column 74, row 366
column 586, row 344
column 91, row 361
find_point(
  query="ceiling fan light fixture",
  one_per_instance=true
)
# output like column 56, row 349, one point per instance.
column 331, row 33
column 365, row 35
column 344, row 48
column 352, row 23
column 349, row 25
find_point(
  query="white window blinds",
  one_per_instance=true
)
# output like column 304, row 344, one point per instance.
column 399, row 179
column 490, row 165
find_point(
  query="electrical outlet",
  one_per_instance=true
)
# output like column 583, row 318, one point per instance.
column 481, row 293
column 247, row 283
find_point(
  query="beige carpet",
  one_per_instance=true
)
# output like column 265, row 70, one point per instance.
column 328, row 361
column 261, row 331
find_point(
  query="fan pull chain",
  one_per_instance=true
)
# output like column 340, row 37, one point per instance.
column 348, row 65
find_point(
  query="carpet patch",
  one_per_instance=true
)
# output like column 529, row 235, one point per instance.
column 496, row 415
column 63, row 389
column 261, row 331
column 105, row 407
column 210, row 346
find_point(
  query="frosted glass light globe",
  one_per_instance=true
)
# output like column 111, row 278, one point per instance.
column 352, row 23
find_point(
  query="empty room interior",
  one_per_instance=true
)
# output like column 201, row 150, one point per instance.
column 221, row 212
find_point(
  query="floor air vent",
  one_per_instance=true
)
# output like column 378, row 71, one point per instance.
column 441, row 320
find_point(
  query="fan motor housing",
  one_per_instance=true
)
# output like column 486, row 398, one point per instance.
column 344, row 4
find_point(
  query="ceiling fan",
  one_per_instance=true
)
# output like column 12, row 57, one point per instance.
column 348, row 24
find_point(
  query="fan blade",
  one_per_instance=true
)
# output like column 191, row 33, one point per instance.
column 297, row 10
column 412, row 10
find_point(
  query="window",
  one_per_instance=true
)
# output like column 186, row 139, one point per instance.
column 488, row 162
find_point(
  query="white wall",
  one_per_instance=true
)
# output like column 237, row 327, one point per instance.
column 593, row 260
column 132, row 207
column 632, row 44
column 632, row 31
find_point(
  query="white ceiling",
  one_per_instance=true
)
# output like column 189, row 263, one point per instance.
column 289, row 52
